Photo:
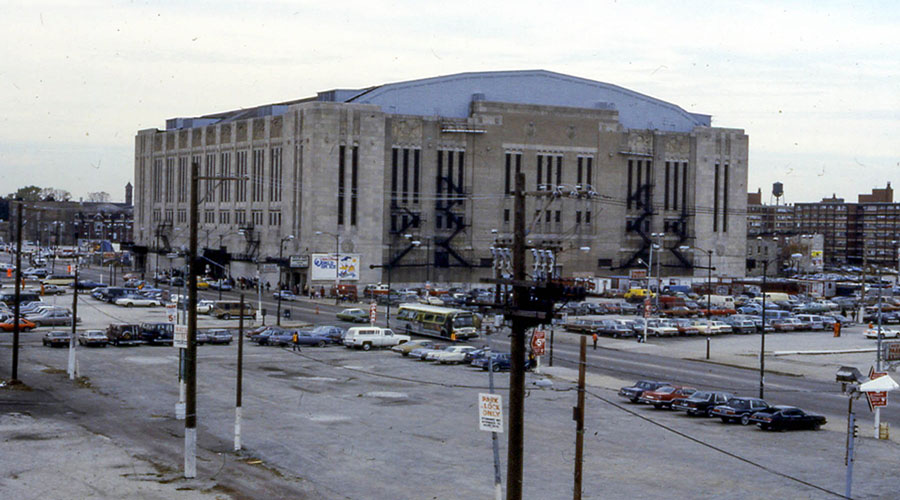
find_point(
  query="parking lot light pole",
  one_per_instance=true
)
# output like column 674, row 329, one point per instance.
column 709, row 270
column 280, row 275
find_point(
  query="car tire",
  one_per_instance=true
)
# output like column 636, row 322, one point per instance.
column 496, row 368
column 708, row 413
column 226, row 316
column 725, row 420
column 321, row 343
column 745, row 419
column 367, row 346
column 130, row 304
column 816, row 427
column 658, row 406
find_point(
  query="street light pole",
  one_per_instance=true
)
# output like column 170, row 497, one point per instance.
column 280, row 274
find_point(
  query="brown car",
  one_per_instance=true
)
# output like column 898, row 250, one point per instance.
column 664, row 396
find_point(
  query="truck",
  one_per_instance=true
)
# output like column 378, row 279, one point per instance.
column 124, row 334
column 367, row 337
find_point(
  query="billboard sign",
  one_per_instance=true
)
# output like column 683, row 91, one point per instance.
column 324, row 266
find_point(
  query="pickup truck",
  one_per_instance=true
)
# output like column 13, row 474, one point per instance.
column 367, row 337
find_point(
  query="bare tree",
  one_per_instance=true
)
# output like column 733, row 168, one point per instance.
column 54, row 194
column 99, row 196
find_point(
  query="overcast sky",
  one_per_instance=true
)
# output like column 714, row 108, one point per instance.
column 816, row 85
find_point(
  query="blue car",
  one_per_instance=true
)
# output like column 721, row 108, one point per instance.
column 501, row 361
column 286, row 338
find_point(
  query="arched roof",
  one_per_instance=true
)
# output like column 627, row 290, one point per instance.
column 451, row 95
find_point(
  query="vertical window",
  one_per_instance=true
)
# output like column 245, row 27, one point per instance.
column 448, row 179
column 182, row 179
column 675, row 186
column 558, row 170
column 589, row 177
column 354, row 184
column 225, row 171
column 170, row 179
column 208, row 191
column 157, row 180
column 460, row 168
column 716, row 199
column 725, row 200
column 578, row 171
column 507, row 173
column 540, row 176
column 394, row 153
column 578, row 217
column 405, row 196
column 640, row 184
column 415, row 176
column 259, row 156
column 557, row 217
column 587, row 217
column 547, row 215
column 275, row 179
column 340, row 185
column 648, row 180
column 666, row 195
column 506, row 215
column 630, row 184
column 684, row 179
column 241, row 190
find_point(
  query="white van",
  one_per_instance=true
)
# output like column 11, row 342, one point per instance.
column 367, row 337
column 719, row 301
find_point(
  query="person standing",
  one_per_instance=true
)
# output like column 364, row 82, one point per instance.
column 595, row 340
column 296, row 339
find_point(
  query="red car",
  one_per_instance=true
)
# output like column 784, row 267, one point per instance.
column 24, row 325
column 664, row 396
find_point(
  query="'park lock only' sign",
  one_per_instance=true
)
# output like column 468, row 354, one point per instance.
column 490, row 412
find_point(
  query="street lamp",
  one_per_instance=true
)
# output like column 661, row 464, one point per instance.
column 337, row 264
column 281, row 275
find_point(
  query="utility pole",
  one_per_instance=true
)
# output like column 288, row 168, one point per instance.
column 579, row 420
column 240, row 379
column 16, row 311
column 73, row 362
column 190, row 368
column 515, row 449
column 762, row 340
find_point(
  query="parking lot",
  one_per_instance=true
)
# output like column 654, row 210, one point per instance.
column 343, row 423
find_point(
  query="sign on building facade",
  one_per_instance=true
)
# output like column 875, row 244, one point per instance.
column 323, row 267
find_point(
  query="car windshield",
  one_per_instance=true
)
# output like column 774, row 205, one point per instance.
column 464, row 321
column 665, row 390
column 702, row 396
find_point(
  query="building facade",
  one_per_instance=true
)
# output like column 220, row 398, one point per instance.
column 418, row 177
column 863, row 233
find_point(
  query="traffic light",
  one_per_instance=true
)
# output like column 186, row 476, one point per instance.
column 855, row 431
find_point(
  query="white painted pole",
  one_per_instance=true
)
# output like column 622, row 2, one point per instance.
column 190, row 452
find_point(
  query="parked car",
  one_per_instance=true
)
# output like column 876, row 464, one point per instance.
column 7, row 324
column 123, row 334
column 420, row 352
column 714, row 328
column 739, row 410
column 354, row 315
column 664, row 396
column 407, row 347
column 739, row 325
column 158, row 333
column 227, row 309
column 53, row 290
column 367, row 337
column 334, row 333
column 137, row 300
column 886, row 333
column 701, row 402
column 93, row 338
column 685, row 326
column 51, row 317
column 87, row 285
column 781, row 418
column 499, row 361
column 261, row 337
column 635, row 392
column 56, row 339
column 453, row 354
column 307, row 338
column 205, row 306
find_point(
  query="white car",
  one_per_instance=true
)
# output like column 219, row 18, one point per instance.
column 205, row 306
column 886, row 333
column 137, row 301
column 452, row 354
column 285, row 295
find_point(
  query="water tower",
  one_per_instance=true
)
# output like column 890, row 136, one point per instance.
column 777, row 192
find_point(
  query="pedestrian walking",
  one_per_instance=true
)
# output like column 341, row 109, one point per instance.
column 296, row 339
column 595, row 340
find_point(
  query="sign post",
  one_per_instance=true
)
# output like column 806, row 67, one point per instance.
column 490, row 418
column 876, row 399
column 373, row 313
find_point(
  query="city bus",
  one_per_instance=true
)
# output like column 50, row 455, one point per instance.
column 436, row 321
